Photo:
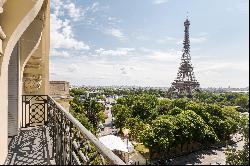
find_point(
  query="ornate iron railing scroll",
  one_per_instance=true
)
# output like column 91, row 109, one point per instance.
column 34, row 110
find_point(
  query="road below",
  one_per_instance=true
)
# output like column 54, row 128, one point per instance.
column 108, row 126
column 206, row 157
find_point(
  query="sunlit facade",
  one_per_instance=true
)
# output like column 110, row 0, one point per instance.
column 24, row 60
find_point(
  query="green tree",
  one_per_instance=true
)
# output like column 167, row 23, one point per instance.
column 135, row 125
column 128, row 100
column 243, row 101
column 197, row 130
column 77, row 110
column 180, row 103
column 175, row 111
column 240, row 157
column 121, row 113
column 160, row 136
column 144, row 106
column 101, row 116
column 164, row 106
column 77, row 92
column 214, row 110
column 93, row 109
column 76, row 106
column 82, row 118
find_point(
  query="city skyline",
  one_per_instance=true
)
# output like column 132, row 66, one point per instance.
column 116, row 43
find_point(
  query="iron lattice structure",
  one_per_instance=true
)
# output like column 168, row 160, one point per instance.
column 185, row 83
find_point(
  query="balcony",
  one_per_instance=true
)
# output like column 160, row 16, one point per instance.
column 50, row 135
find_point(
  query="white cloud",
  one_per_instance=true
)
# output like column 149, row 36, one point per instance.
column 165, row 56
column 73, row 11
column 127, row 70
column 123, row 71
column 95, row 7
column 200, row 39
column 73, row 67
column 167, row 39
column 57, row 53
column 88, row 16
column 117, row 52
column 114, row 19
column 171, row 55
column 159, row 1
column 222, row 74
column 56, row 5
column 148, row 68
column 117, row 33
column 62, row 35
column 221, row 66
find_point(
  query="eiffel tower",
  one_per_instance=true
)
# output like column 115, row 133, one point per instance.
column 185, row 83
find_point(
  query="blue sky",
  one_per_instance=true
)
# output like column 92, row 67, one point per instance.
column 139, row 42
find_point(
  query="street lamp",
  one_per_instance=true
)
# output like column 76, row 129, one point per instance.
column 126, row 134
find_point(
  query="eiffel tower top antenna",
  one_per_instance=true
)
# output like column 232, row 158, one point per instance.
column 187, row 16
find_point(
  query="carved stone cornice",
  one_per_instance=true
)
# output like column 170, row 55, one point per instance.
column 1, row 5
column 2, row 34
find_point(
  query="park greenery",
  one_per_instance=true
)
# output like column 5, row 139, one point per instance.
column 162, row 123
column 221, row 99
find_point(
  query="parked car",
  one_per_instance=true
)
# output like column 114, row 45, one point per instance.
column 114, row 132
column 101, row 126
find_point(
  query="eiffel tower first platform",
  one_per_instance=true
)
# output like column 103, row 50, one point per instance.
column 185, row 83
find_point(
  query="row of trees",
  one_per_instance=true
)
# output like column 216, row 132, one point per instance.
column 162, row 124
column 222, row 99
column 119, row 91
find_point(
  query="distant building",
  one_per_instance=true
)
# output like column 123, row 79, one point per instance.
column 59, row 89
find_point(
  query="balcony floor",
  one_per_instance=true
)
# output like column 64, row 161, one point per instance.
column 32, row 146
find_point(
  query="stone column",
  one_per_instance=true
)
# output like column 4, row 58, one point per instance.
column 2, row 35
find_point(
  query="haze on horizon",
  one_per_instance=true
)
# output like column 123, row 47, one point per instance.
column 139, row 43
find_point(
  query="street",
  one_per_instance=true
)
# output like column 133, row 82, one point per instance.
column 108, row 126
column 202, row 157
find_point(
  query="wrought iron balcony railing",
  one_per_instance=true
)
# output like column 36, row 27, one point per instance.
column 72, row 143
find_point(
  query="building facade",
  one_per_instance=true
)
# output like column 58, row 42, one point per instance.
column 24, row 60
